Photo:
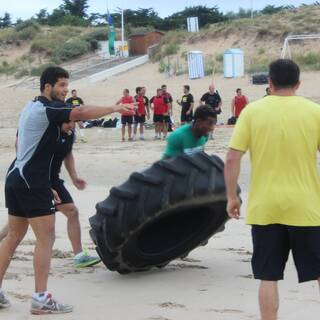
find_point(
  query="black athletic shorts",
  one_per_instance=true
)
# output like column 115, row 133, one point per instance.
column 271, row 247
column 186, row 117
column 166, row 119
column 127, row 119
column 25, row 202
column 140, row 119
column 63, row 193
column 158, row 118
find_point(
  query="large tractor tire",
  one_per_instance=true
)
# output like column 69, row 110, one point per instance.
column 161, row 214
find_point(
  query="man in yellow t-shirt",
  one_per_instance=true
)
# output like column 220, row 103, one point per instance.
column 282, row 134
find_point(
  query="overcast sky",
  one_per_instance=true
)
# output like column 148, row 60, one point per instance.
column 25, row 9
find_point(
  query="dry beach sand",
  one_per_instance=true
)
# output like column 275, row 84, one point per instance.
column 214, row 282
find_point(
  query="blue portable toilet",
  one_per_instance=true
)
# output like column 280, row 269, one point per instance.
column 233, row 63
column 195, row 64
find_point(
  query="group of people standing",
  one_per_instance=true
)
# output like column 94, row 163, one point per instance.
column 162, row 106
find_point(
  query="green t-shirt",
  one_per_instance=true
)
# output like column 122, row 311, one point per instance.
column 183, row 141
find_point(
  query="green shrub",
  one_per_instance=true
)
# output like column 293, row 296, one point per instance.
column 26, row 30
column 7, row 68
column 219, row 57
column 171, row 48
column 308, row 61
column 28, row 33
column 22, row 73
column 27, row 24
column 174, row 37
column 163, row 67
column 69, row 50
column 74, row 21
column 37, row 71
column 181, row 72
column 209, row 65
column 99, row 35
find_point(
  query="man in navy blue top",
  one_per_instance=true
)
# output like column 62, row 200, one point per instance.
column 28, row 192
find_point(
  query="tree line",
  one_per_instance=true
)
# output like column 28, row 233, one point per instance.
column 75, row 12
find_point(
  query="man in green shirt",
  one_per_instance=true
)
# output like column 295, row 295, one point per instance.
column 191, row 138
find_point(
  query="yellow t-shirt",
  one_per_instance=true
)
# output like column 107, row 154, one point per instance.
column 283, row 137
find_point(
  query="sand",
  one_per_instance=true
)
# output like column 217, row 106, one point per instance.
column 215, row 282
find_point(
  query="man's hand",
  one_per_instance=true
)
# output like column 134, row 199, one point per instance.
column 124, row 108
column 188, row 112
column 56, row 197
column 79, row 183
column 233, row 208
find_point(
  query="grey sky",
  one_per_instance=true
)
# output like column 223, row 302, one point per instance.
column 27, row 8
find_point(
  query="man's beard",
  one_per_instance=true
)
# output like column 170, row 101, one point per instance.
column 54, row 96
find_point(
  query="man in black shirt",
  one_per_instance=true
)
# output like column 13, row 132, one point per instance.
column 213, row 99
column 28, row 191
column 74, row 100
column 187, row 103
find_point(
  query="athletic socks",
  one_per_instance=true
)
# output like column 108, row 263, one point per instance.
column 40, row 296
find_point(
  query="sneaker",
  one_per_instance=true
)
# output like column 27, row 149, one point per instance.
column 4, row 302
column 142, row 138
column 130, row 139
column 83, row 260
column 49, row 306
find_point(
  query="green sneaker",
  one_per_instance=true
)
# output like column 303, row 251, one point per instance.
column 83, row 260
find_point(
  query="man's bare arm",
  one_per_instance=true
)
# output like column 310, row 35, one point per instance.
column 92, row 112
column 233, row 107
column 231, row 175
column 69, row 163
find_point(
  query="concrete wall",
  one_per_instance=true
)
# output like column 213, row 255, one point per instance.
column 103, row 75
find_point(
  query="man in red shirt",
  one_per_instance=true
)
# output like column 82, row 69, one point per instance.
column 126, row 117
column 142, row 110
column 160, row 113
column 239, row 102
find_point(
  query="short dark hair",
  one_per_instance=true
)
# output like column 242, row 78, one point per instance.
column 239, row 89
column 51, row 75
column 73, row 90
column 187, row 87
column 284, row 73
column 138, row 89
column 163, row 86
column 126, row 90
column 204, row 112
column 159, row 89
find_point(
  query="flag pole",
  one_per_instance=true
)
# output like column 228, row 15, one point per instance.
column 122, row 32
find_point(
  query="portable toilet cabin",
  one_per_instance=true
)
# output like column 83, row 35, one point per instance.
column 195, row 64
column 233, row 63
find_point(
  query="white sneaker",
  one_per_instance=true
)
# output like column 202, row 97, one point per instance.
column 49, row 306
column 4, row 302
